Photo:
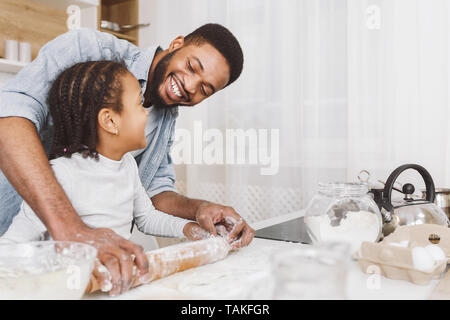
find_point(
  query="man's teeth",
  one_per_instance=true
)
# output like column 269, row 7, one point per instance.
column 175, row 88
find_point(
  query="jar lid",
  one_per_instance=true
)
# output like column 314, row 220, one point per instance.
column 343, row 188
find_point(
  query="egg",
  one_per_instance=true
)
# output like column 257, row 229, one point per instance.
column 422, row 259
column 436, row 252
column 402, row 244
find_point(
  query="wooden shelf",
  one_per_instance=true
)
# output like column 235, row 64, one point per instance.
column 38, row 22
column 122, row 12
column 111, row 2
column 120, row 35
column 63, row 4
column 10, row 66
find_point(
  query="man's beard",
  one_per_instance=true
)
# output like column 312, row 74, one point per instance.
column 152, row 96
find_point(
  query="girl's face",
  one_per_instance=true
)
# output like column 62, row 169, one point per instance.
column 132, row 119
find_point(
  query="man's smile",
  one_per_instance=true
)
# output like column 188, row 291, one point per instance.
column 175, row 90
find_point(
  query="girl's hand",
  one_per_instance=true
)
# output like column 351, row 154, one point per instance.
column 193, row 232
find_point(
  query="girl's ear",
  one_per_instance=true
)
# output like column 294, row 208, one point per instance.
column 107, row 120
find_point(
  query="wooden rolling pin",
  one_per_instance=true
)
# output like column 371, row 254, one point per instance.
column 169, row 260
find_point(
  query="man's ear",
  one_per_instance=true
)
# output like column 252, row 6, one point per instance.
column 107, row 120
column 176, row 43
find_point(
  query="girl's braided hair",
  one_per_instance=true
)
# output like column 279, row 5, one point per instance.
column 75, row 99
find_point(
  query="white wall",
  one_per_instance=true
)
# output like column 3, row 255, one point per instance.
column 147, row 13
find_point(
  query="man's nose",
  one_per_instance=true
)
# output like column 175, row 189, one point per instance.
column 191, row 84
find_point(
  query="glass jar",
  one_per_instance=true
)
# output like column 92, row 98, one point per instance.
column 343, row 212
column 311, row 272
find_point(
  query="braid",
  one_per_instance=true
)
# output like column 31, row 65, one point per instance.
column 76, row 106
column 65, row 107
column 75, row 99
column 99, row 99
column 54, row 101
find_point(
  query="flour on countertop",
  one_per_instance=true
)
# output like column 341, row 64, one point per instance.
column 253, row 267
column 249, row 267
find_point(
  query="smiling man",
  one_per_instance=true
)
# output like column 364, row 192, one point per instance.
column 190, row 70
column 195, row 67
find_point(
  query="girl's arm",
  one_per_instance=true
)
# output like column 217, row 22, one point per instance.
column 151, row 221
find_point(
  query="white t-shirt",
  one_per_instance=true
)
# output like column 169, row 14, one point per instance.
column 105, row 194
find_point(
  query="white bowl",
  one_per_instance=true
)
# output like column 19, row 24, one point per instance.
column 45, row 270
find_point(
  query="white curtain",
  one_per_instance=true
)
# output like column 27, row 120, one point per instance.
column 349, row 84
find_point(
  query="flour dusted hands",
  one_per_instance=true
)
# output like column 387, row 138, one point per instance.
column 225, row 221
column 194, row 232
column 117, row 256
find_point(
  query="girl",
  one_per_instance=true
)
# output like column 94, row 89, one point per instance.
column 98, row 117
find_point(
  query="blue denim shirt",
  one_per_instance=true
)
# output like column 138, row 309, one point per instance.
column 25, row 96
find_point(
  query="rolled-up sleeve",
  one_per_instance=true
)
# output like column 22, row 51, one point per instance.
column 25, row 95
column 164, row 179
column 19, row 104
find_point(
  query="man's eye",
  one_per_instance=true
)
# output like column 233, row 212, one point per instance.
column 190, row 66
column 204, row 91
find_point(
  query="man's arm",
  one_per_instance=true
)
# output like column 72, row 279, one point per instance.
column 23, row 112
column 208, row 215
column 25, row 164
column 163, row 193
column 176, row 204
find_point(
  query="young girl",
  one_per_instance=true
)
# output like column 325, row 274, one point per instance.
column 98, row 117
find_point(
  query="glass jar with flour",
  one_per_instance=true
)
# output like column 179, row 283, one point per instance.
column 343, row 212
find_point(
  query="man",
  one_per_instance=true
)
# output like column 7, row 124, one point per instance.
column 190, row 70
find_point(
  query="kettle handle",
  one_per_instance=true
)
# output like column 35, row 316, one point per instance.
column 387, row 192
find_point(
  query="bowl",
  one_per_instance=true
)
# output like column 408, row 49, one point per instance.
column 45, row 270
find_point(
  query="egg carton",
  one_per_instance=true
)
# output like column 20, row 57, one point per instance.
column 423, row 235
column 396, row 262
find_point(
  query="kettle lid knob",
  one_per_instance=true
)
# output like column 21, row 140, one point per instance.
column 408, row 188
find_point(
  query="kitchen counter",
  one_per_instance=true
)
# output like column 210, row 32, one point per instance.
column 243, row 274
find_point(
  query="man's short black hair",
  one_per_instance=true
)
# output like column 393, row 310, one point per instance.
column 224, row 41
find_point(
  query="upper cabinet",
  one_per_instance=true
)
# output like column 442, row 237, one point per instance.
column 30, row 21
column 120, row 17
column 63, row 4
column 40, row 21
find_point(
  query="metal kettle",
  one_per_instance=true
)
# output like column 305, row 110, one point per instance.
column 408, row 211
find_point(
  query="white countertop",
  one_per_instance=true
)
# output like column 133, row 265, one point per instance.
column 242, row 274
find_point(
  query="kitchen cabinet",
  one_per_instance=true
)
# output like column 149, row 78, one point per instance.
column 38, row 22
column 63, row 4
column 121, row 12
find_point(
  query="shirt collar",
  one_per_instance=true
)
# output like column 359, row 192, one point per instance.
column 142, row 63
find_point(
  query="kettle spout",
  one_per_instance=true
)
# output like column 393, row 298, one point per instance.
column 391, row 222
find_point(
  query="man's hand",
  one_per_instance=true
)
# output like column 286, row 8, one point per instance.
column 117, row 256
column 25, row 164
column 214, row 217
